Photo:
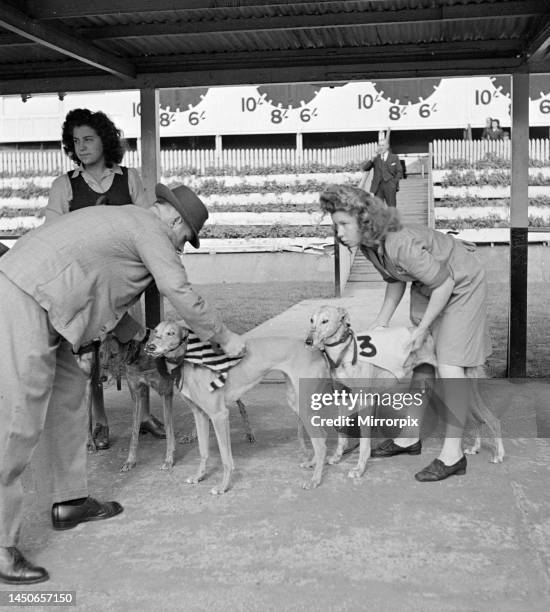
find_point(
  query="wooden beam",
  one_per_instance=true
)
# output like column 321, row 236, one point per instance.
column 519, row 222
column 181, row 28
column 63, row 9
column 12, row 40
column 421, row 53
column 63, row 42
column 345, row 71
column 150, row 173
column 538, row 48
column 150, row 141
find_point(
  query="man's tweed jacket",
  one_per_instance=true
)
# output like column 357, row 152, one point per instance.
column 87, row 268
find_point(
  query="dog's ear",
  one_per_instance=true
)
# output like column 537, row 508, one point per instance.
column 343, row 315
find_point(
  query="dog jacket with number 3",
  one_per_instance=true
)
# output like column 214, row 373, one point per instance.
column 389, row 349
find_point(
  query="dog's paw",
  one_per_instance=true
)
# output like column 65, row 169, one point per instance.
column 308, row 465
column 471, row 450
column 91, row 447
column 217, row 491
column 496, row 459
column 167, row 465
column 194, row 479
column 310, row 484
column 127, row 466
column 355, row 473
column 334, row 459
column 250, row 437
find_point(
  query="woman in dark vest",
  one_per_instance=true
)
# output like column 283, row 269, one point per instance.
column 93, row 142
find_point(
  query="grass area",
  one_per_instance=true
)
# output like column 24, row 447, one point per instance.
column 246, row 305
column 538, row 330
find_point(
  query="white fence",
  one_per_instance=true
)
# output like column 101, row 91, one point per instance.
column 53, row 162
column 474, row 150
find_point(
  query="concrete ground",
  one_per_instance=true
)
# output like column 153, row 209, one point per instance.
column 480, row 542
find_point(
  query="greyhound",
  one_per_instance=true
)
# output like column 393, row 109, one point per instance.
column 142, row 371
column 287, row 355
column 86, row 359
column 330, row 332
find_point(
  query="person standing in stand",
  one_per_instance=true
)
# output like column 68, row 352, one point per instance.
column 93, row 142
column 494, row 132
column 386, row 174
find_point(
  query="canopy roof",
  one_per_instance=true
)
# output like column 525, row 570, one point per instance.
column 68, row 45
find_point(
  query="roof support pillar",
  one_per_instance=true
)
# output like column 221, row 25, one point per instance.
column 519, row 223
column 150, row 173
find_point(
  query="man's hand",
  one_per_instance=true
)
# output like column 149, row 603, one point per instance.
column 418, row 337
column 233, row 345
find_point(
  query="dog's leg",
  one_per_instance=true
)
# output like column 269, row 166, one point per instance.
column 188, row 438
column 318, row 463
column 202, row 425
column 341, row 446
column 220, row 420
column 476, row 426
column 364, row 450
column 90, row 445
column 482, row 413
column 316, row 435
column 249, row 434
column 168, row 404
column 364, row 454
column 137, row 391
column 302, row 439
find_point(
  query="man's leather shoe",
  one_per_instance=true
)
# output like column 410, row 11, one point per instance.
column 437, row 470
column 101, row 436
column 67, row 516
column 389, row 448
column 153, row 426
column 15, row 569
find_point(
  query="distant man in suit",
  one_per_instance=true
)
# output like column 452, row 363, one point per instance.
column 74, row 279
column 387, row 174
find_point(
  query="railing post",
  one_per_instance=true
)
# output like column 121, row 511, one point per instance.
column 299, row 149
column 337, row 288
column 519, row 224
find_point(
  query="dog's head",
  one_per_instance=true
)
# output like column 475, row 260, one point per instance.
column 112, row 358
column 327, row 325
column 167, row 337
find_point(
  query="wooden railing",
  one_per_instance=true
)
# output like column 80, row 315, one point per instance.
column 475, row 150
column 431, row 205
column 54, row 162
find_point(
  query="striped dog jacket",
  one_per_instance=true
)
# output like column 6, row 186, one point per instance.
column 210, row 356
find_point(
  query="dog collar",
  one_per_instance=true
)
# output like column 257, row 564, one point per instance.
column 345, row 336
column 334, row 364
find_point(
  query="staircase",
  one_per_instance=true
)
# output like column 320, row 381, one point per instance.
column 412, row 204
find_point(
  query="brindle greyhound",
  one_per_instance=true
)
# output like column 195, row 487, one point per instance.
column 142, row 372
column 331, row 332
column 287, row 355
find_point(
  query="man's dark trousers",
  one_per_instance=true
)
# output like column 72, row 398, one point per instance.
column 387, row 191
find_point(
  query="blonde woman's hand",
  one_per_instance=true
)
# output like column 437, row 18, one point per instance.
column 418, row 337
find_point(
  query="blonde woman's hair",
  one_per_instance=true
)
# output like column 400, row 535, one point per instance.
column 375, row 219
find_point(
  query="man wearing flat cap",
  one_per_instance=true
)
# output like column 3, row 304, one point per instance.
column 74, row 279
